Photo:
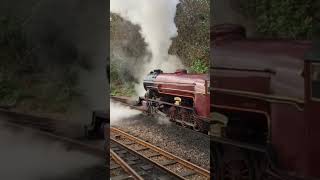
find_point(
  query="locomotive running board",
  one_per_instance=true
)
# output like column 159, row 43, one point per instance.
column 207, row 120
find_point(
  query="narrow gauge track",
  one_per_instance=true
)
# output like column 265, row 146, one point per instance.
column 135, row 164
column 173, row 165
column 119, row 169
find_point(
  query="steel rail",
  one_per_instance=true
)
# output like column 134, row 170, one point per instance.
column 141, row 156
column 184, row 163
column 125, row 166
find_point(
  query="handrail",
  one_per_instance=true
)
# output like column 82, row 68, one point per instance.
column 247, row 70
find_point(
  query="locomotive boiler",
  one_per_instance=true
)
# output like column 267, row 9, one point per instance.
column 267, row 92
column 182, row 97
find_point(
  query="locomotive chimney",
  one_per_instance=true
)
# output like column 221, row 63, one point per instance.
column 156, row 71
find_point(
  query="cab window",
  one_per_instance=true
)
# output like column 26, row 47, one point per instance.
column 315, row 81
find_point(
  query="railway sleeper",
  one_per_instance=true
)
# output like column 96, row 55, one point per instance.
column 129, row 143
column 168, row 162
column 114, row 166
column 154, row 155
column 122, row 177
column 187, row 173
column 142, row 149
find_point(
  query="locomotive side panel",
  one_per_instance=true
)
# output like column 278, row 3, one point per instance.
column 249, row 119
column 312, row 109
column 288, row 137
column 235, row 81
column 282, row 60
column 182, row 97
column 202, row 105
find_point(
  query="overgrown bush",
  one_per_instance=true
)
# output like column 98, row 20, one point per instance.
column 119, row 86
column 24, row 81
column 9, row 93
column 281, row 18
column 199, row 66
column 19, row 57
column 193, row 22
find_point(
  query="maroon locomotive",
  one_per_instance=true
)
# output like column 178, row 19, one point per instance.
column 265, row 95
column 181, row 96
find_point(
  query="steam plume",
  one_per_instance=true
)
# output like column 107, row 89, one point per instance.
column 119, row 112
column 26, row 156
column 156, row 20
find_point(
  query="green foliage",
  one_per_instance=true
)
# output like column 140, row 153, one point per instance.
column 193, row 22
column 23, row 83
column 122, row 89
column 114, row 74
column 9, row 93
column 119, row 86
column 15, row 51
column 281, row 18
column 199, row 66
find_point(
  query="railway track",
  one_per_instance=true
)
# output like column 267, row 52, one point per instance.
column 119, row 169
column 167, row 165
column 134, row 165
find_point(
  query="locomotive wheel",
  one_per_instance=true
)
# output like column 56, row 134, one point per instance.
column 232, row 163
column 183, row 124
column 185, row 117
column 263, row 170
column 172, row 113
column 197, row 125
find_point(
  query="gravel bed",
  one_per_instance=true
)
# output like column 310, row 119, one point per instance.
column 189, row 145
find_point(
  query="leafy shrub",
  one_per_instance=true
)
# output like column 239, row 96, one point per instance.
column 199, row 66
column 9, row 93
column 281, row 18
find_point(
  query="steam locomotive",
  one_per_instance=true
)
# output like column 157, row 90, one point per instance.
column 265, row 94
column 97, row 129
column 182, row 97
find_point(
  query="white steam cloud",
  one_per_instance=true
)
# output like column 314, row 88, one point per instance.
column 120, row 112
column 26, row 156
column 156, row 20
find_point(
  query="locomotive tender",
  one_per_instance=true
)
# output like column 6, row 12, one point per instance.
column 181, row 96
column 268, row 94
